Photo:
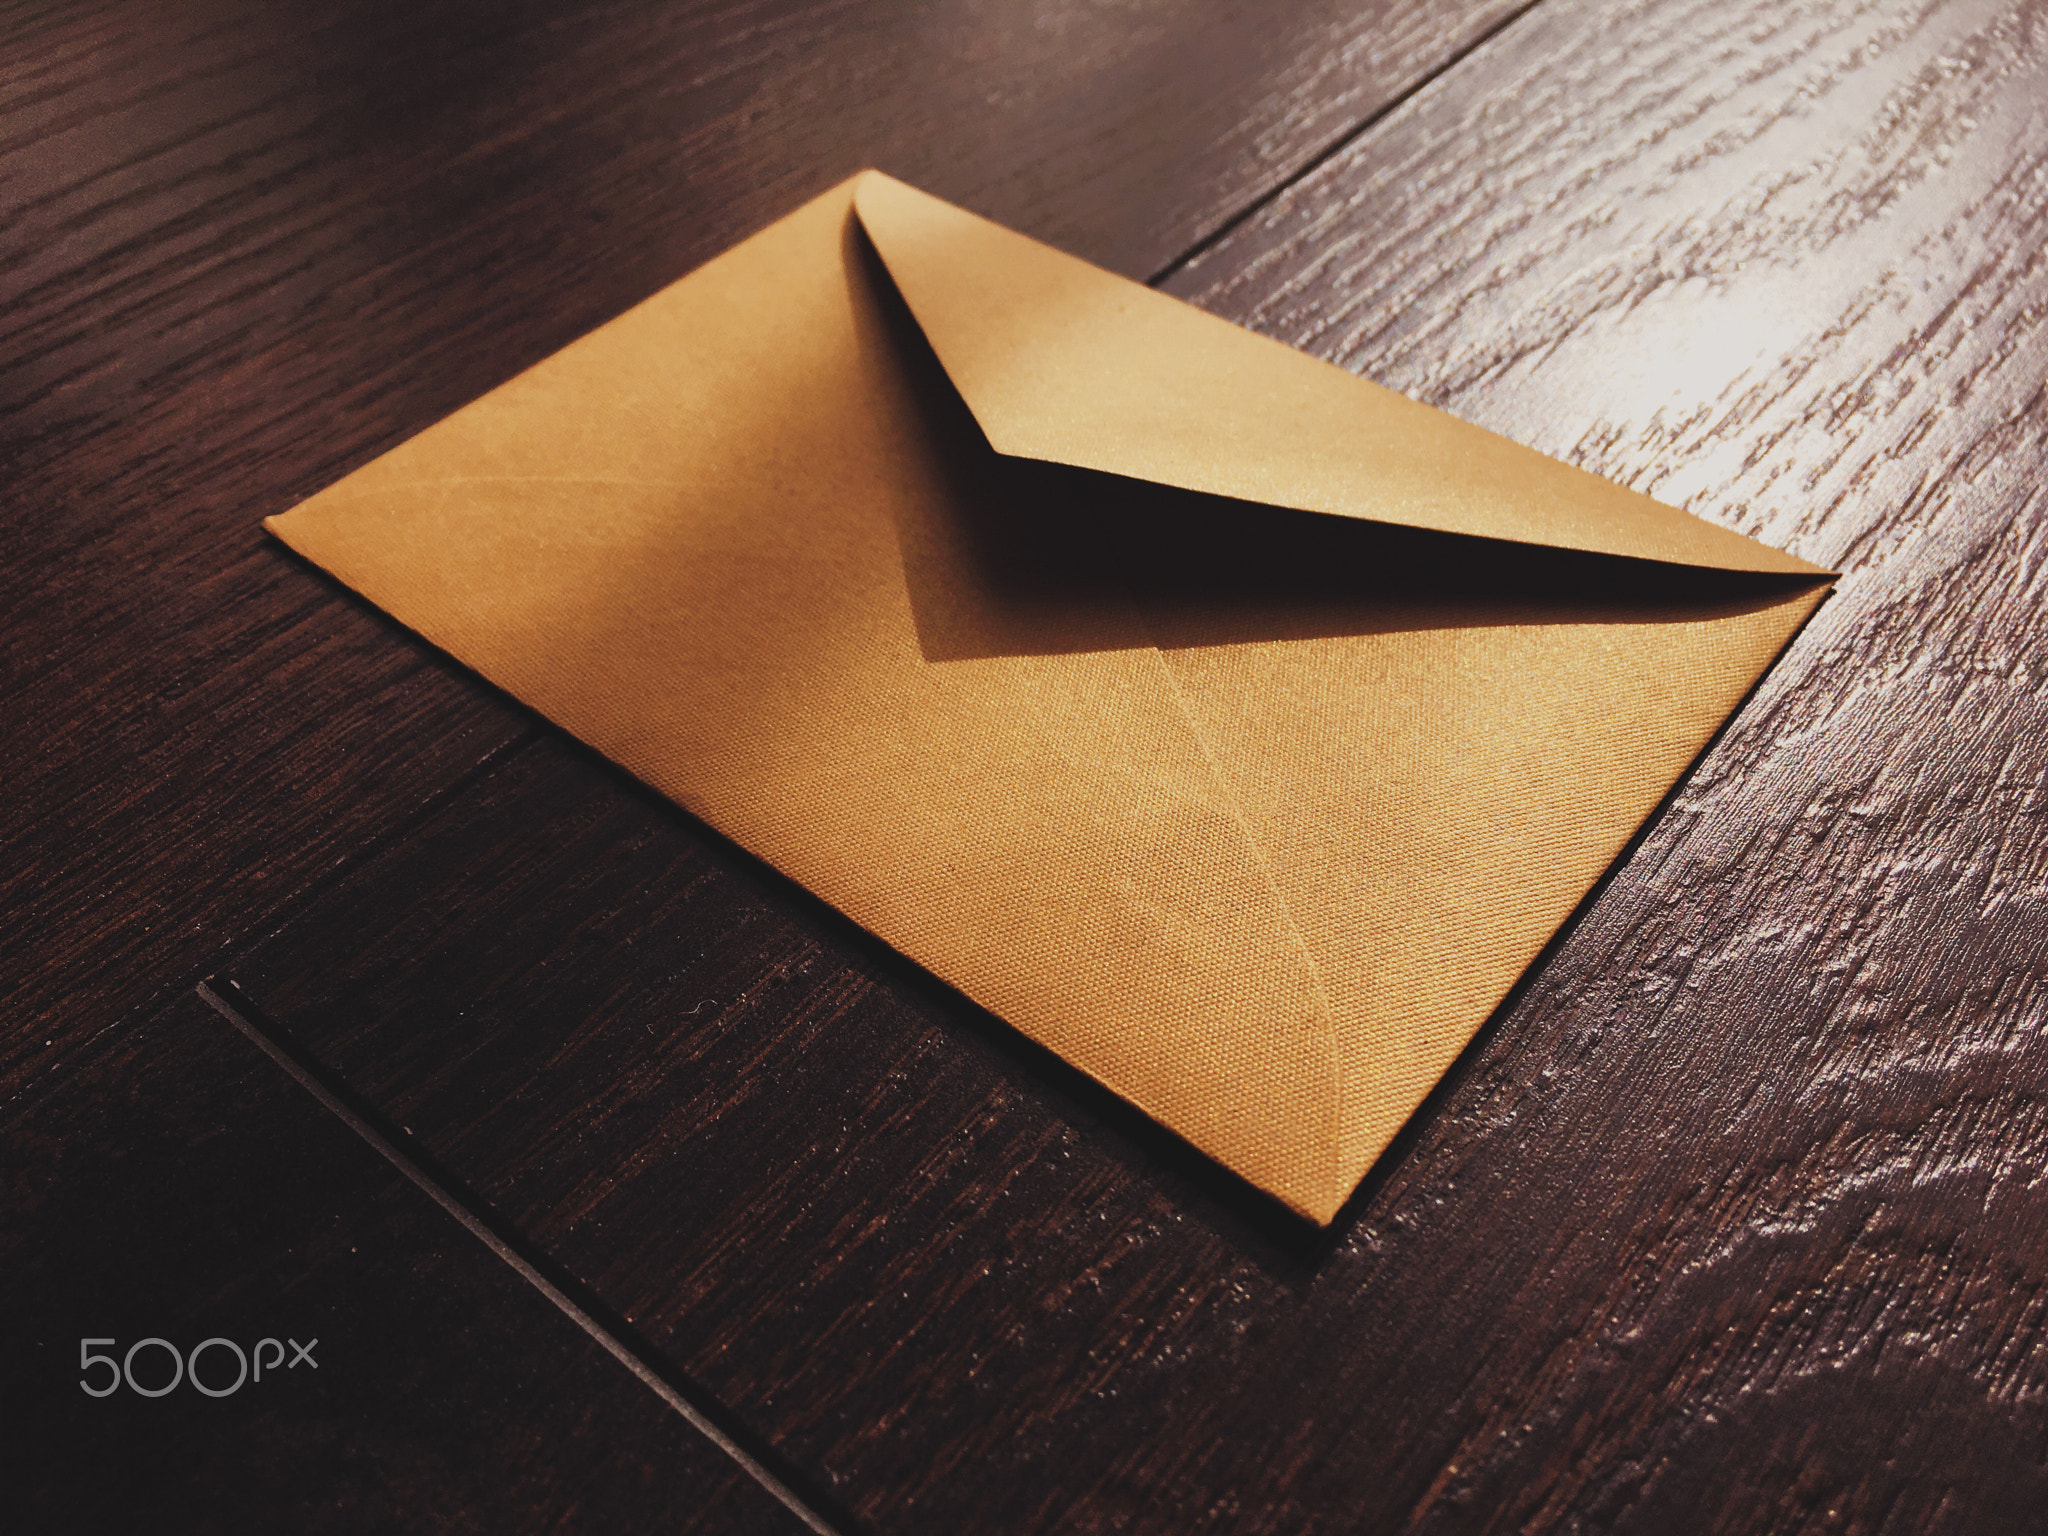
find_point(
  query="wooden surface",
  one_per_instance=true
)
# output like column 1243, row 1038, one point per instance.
column 1731, row 1221
column 179, row 1187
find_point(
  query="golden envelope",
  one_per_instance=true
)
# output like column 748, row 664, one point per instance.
column 1236, row 728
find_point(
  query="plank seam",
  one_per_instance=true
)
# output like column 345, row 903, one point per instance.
column 1338, row 145
column 397, row 1149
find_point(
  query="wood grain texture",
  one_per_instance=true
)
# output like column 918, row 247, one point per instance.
column 1732, row 1222
column 182, row 1187
column 245, row 248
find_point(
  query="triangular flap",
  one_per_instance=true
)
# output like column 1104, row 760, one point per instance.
column 1064, row 362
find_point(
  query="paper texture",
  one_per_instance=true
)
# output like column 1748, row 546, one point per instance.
column 1233, row 727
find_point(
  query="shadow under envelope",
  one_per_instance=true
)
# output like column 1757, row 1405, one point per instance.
column 1036, row 558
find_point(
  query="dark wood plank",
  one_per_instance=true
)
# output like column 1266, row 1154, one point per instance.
column 1732, row 1222
column 181, row 1186
column 244, row 249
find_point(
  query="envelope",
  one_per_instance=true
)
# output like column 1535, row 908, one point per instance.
column 1234, row 727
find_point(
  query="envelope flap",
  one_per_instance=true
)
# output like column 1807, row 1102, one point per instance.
column 1061, row 361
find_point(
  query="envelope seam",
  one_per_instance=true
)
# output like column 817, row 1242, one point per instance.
column 1326, row 1011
